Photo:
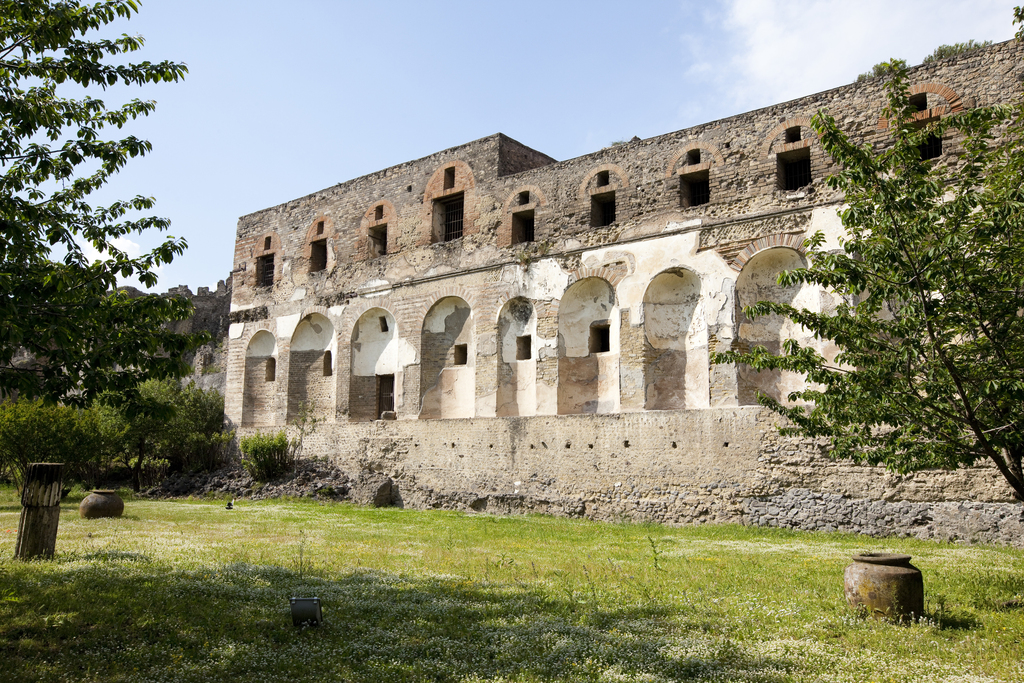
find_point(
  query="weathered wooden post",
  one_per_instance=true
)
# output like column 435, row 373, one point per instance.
column 40, row 511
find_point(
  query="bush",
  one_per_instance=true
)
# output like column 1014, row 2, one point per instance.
column 32, row 431
column 194, row 439
column 267, row 456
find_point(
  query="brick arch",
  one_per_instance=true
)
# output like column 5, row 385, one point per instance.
column 795, row 242
column 356, row 310
column 954, row 103
column 311, row 236
column 769, row 139
column 464, row 180
column 310, row 310
column 716, row 154
column 532, row 189
column 500, row 300
column 257, row 249
column 368, row 220
column 612, row 275
column 618, row 171
column 663, row 271
column 444, row 292
column 259, row 326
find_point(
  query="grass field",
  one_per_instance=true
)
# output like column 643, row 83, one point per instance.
column 188, row 591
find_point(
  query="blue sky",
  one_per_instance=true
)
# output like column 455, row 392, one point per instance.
column 282, row 100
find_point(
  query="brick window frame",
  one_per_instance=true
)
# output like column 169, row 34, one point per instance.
column 378, row 231
column 694, row 168
column 605, row 196
column 797, row 155
column 317, row 248
column 516, row 212
column 450, row 180
column 261, row 256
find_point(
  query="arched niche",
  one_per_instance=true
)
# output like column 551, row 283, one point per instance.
column 448, row 358
column 517, row 359
column 758, row 281
column 588, row 345
column 307, row 380
column 375, row 379
column 259, row 385
column 676, row 366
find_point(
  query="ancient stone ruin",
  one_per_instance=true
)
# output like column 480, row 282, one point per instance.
column 497, row 330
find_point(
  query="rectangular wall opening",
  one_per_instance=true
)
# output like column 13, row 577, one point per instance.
column 522, row 227
column 602, row 209
column 449, row 178
column 795, row 169
column 383, row 323
column 265, row 270
column 319, row 227
column 378, row 213
column 328, row 364
column 378, row 240
column 524, row 198
column 461, row 352
column 450, row 213
column 695, row 189
column 603, row 179
column 317, row 256
column 524, row 347
column 931, row 148
column 600, row 337
column 385, row 394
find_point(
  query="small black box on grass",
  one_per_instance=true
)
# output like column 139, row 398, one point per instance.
column 306, row 611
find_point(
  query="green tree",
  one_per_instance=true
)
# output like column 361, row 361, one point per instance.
column 31, row 431
column 930, row 371
column 83, row 336
column 136, row 422
column 194, row 439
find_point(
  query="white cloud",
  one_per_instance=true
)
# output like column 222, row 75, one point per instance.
column 773, row 51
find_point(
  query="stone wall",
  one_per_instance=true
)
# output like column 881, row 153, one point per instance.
column 714, row 465
column 641, row 259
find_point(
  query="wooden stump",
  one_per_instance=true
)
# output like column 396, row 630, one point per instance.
column 40, row 511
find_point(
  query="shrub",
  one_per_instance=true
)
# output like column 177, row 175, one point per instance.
column 32, row 431
column 267, row 456
column 194, row 439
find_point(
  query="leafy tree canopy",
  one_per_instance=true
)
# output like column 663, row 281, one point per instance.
column 930, row 331
column 81, row 335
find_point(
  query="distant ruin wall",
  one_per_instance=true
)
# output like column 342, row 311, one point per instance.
column 715, row 465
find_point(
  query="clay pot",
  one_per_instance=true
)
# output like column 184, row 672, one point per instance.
column 101, row 503
column 885, row 586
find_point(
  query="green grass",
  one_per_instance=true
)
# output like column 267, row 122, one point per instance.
column 188, row 591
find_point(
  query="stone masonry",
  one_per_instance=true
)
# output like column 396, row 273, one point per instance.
column 497, row 330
